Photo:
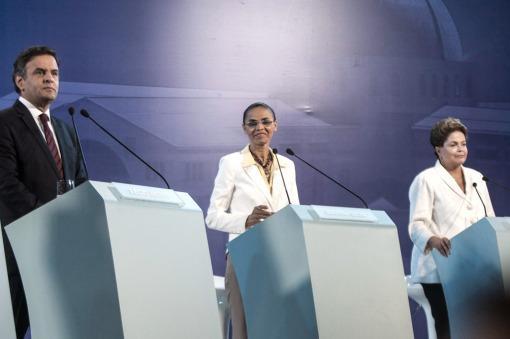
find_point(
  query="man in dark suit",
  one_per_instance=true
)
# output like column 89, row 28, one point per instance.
column 36, row 150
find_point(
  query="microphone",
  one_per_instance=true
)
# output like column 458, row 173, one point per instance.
column 275, row 152
column 71, row 113
column 476, row 189
column 484, row 178
column 86, row 114
column 291, row 152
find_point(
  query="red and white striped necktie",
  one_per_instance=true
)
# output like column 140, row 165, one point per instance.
column 52, row 145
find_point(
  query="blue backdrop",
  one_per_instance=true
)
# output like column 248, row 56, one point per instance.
column 356, row 86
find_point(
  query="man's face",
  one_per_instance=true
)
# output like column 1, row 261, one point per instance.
column 40, row 83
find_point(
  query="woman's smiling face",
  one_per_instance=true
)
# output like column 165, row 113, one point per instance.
column 259, row 126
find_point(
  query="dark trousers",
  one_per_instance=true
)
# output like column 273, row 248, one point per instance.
column 437, row 301
column 18, row 300
column 19, row 306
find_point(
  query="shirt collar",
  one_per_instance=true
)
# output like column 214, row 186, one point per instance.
column 450, row 180
column 444, row 170
column 33, row 110
column 248, row 158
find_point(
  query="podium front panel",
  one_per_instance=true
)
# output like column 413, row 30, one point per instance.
column 271, row 266
column 65, row 260
column 357, row 277
column 163, row 270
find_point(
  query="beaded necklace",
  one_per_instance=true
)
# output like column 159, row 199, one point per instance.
column 265, row 166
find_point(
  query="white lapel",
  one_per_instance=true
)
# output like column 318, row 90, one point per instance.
column 254, row 174
column 449, row 180
column 469, row 183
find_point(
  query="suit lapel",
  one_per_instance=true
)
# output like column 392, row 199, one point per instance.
column 254, row 174
column 469, row 182
column 29, row 122
column 449, row 180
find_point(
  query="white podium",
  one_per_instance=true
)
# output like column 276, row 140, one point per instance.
column 309, row 272
column 98, row 262
column 476, row 272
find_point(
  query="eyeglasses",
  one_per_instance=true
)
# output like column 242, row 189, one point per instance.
column 255, row 123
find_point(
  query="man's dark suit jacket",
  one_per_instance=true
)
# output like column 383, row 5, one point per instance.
column 28, row 176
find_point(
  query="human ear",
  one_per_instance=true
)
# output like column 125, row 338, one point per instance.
column 20, row 82
column 436, row 149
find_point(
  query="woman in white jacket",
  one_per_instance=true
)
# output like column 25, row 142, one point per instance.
column 249, row 188
column 443, row 203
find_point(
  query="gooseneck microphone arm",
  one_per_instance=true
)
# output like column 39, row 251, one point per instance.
column 275, row 152
column 291, row 152
column 86, row 114
column 479, row 196
column 71, row 113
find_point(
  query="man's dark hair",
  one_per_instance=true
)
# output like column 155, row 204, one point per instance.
column 27, row 55
column 255, row 105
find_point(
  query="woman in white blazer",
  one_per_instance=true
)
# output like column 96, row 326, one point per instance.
column 443, row 203
column 249, row 188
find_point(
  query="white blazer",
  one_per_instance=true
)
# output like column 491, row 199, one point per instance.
column 439, row 207
column 239, row 187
